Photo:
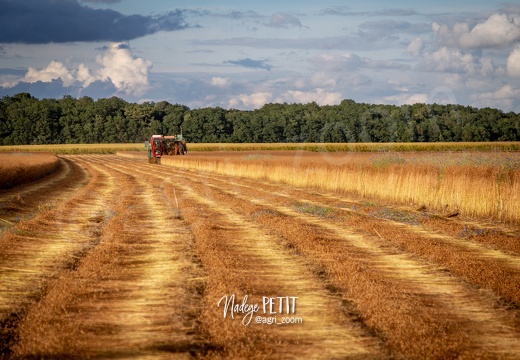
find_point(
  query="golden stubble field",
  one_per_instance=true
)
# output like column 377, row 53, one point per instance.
column 362, row 255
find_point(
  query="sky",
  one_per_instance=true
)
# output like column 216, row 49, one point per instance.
column 242, row 55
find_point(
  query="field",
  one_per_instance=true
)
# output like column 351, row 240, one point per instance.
column 264, row 254
column 19, row 168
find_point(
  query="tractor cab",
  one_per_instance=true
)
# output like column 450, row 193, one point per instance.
column 155, row 148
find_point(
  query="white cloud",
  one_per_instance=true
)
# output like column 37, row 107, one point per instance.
column 324, row 79
column 415, row 47
column 448, row 60
column 118, row 65
column 442, row 95
column 320, row 96
column 220, row 82
column 128, row 74
column 506, row 92
column 498, row 30
column 503, row 98
column 55, row 70
column 407, row 99
column 397, row 85
column 455, row 61
column 255, row 100
column 84, row 76
column 513, row 63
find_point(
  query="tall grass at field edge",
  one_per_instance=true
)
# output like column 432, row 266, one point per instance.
column 74, row 149
column 488, row 191
column 20, row 168
column 359, row 147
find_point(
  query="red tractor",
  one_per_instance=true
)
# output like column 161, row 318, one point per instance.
column 160, row 145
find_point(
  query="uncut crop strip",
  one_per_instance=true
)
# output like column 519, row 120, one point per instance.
column 131, row 295
column 485, row 192
column 482, row 321
column 27, row 200
column 241, row 259
column 20, row 168
column 35, row 250
column 74, row 149
column 359, row 147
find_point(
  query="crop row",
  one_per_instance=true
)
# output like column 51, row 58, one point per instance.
column 20, row 168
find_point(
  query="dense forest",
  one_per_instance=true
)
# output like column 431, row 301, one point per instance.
column 25, row 119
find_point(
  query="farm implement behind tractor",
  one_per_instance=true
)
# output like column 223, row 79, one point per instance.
column 160, row 145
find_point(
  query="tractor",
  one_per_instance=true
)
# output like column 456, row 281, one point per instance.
column 160, row 145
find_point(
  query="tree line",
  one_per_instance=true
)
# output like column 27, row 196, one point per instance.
column 25, row 119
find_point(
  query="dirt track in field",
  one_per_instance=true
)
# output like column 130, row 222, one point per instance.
column 116, row 258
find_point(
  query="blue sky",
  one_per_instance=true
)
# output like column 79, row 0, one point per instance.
column 237, row 54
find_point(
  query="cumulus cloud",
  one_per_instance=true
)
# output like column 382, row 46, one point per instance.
column 46, row 21
column 320, row 96
column 128, row 74
column 321, row 79
column 84, row 75
column 415, row 47
column 499, row 30
column 407, row 99
column 254, row 100
column 503, row 98
column 455, row 61
column 55, row 70
column 118, row 66
column 448, row 60
column 220, row 82
column 513, row 63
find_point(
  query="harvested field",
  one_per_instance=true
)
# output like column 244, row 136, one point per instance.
column 132, row 259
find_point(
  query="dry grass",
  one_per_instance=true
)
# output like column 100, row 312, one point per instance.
column 473, row 184
column 359, row 147
column 20, row 168
column 73, row 149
